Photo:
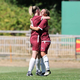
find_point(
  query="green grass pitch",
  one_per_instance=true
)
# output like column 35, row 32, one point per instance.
column 19, row 73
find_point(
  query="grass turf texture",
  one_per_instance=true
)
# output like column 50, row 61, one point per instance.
column 19, row 73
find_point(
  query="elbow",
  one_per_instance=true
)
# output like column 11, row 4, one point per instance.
column 37, row 29
column 30, row 27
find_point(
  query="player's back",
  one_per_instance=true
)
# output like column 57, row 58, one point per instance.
column 35, row 21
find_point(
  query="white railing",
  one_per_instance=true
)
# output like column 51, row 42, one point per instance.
column 14, row 45
column 10, row 31
column 61, row 45
column 18, row 45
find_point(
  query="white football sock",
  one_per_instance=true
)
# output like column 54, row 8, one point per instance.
column 31, row 64
column 46, row 62
column 42, row 65
column 37, row 64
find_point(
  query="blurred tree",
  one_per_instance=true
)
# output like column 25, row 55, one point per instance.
column 41, row 3
column 19, row 17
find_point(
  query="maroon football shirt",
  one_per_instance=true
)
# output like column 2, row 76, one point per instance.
column 44, row 34
column 35, row 21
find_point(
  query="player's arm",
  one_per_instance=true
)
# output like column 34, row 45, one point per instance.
column 38, row 28
column 34, row 28
column 46, row 17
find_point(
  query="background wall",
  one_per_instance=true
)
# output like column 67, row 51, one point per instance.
column 70, row 18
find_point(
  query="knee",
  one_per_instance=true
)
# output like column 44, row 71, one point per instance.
column 43, row 54
column 34, row 54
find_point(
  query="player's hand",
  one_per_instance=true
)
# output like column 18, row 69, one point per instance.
column 30, row 19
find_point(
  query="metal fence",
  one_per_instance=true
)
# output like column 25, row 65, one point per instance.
column 14, row 45
column 61, row 45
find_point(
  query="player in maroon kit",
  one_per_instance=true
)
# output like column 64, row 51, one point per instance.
column 34, row 39
column 45, row 39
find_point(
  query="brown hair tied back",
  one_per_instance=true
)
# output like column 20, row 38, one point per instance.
column 47, row 12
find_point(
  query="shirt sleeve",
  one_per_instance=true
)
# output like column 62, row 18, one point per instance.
column 42, row 25
column 31, row 23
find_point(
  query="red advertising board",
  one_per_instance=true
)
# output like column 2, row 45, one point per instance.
column 77, row 45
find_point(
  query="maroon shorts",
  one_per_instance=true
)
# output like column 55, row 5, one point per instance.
column 35, row 43
column 45, row 46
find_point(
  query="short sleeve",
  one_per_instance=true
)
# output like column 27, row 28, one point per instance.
column 42, row 25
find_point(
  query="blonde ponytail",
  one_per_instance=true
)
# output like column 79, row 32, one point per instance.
column 32, row 9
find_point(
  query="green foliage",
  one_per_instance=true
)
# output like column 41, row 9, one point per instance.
column 13, row 17
column 55, row 22
column 16, row 17
column 41, row 3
